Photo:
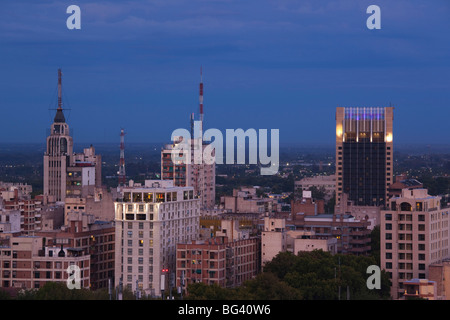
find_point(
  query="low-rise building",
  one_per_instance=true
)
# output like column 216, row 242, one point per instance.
column 227, row 259
column 327, row 184
column 246, row 200
column 25, row 263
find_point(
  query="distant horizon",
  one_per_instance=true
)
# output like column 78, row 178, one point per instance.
column 281, row 65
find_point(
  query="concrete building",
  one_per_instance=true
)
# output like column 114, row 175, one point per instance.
column 325, row 183
column 369, row 213
column 414, row 235
column 95, row 238
column 245, row 200
column 402, row 182
column 364, row 154
column 150, row 221
column 439, row 273
column 276, row 237
column 352, row 235
column 10, row 221
column 11, row 190
column 200, row 176
column 26, row 264
column 273, row 239
column 420, row 288
column 305, row 241
column 220, row 260
column 307, row 205
column 67, row 174
column 30, row 213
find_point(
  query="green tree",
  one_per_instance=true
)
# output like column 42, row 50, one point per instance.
column 267, row 286
column 202, row 291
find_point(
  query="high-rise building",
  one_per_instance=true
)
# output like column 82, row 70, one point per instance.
column 68, row 174
column 150, row 221
column 197, row 174
column 58, row 155
column 415, row 233
column 364, row 154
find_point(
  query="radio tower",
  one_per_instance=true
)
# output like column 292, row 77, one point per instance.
column 121, row 173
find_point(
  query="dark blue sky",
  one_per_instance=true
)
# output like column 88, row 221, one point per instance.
column 267, row 64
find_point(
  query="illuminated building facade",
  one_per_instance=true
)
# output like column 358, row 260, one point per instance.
column 364, row 154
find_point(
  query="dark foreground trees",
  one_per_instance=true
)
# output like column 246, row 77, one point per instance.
column 309, row 275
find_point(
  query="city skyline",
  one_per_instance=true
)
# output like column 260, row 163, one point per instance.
column 284, row 65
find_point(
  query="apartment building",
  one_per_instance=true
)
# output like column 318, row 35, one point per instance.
column 96, row 238
column 150, row 221
column 414, row 235
column 25, row 263
column 188, row 173
column 246, row 200
column 276, row 237
column 325, row 183
column 228, row 258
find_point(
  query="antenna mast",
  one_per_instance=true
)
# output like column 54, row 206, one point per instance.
column 122, row 177
column 201, row 95
column 59, row 89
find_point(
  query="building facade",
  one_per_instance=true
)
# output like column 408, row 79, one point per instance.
column 188, row 173
column 414, row 235
column 218, row 260
column 25, row 263
column 150, row 221
column 67, row 174
column 364, row 154
column 325, row 183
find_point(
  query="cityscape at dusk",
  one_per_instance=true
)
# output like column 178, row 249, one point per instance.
column 243, row 151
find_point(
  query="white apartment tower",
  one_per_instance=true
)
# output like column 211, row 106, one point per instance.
column 150, row 221
column 414, row 235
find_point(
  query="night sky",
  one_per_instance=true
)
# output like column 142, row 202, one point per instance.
column 278, row 64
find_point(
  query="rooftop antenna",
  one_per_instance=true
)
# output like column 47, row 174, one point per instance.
column 59, row 89
column 121, row 173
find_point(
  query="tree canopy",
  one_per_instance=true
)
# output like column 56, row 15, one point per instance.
column 315, row 275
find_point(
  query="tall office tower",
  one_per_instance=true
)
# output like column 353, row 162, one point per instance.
column 415, row 233
column 150, row 221
column 364, row 154
column 68, row 174
column 59, row 152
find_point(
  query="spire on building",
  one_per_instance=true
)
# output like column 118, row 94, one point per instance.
column 59, row 117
